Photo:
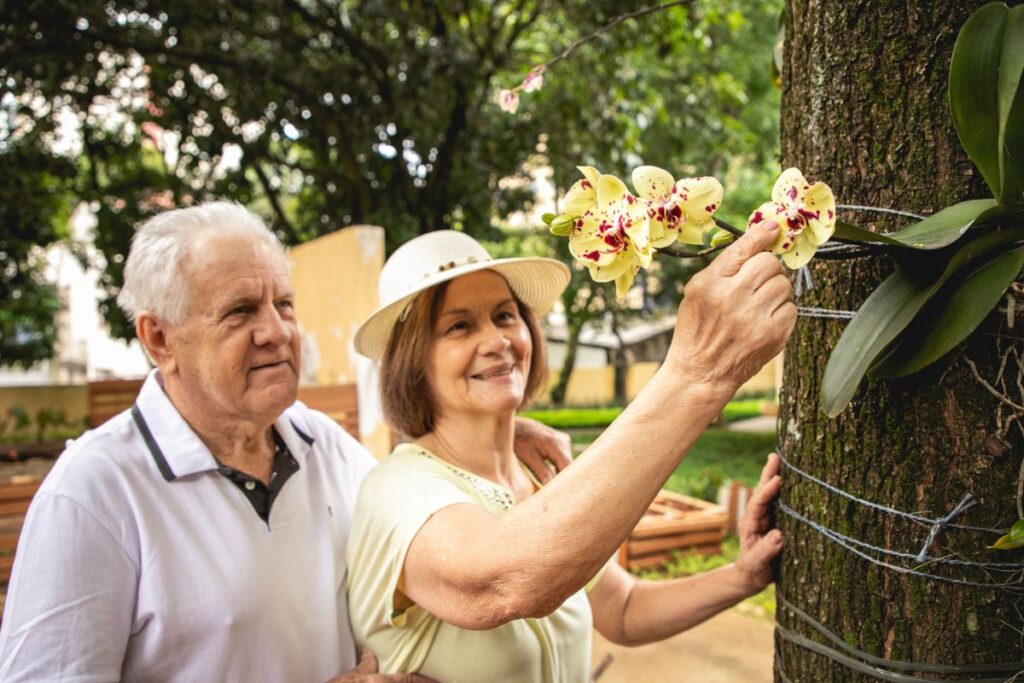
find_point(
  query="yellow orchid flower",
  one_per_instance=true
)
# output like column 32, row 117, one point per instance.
column 612, row 237
column 700, row 198
column 806, row 213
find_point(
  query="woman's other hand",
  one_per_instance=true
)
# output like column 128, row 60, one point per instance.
column 759, row 544
column 736, row 314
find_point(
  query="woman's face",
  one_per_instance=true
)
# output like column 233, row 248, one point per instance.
column 479, row 359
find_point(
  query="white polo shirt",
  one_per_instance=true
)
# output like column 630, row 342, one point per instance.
column 139, row 561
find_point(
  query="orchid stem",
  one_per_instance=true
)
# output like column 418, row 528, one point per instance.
column 671, row 251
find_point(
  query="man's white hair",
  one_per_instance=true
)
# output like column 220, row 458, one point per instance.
column 154, row 274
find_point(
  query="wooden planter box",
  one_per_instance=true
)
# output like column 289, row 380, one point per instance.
column 674, row 522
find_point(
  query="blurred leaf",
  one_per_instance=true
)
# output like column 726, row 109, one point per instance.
column 951, row 315
column 887, row 312
column 974, row 87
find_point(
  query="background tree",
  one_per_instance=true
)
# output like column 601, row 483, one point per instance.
column 325, row 113
column 865, row 108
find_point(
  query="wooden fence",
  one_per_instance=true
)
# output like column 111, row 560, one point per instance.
column 14, row 500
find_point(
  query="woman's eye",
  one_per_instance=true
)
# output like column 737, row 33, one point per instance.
column 457, row 327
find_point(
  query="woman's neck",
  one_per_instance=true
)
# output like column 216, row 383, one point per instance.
column 481, row 445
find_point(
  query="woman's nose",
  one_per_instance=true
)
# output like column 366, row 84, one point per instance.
column 495, row 341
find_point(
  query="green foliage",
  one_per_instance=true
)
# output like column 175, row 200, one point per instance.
column 892, row 307
column 952, row 314
column 33, row 203
column 986, row 95
column 332, row 113
column 574, row 418
column 581, row 418
column 936, row 231
column 48, row 423
column 727, row 454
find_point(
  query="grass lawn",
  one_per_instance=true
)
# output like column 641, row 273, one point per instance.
column 718, row 455
column 580, row 418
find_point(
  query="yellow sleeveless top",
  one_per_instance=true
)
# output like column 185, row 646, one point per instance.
column 395, row 500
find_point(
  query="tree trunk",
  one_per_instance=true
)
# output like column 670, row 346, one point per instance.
column 865, row 110
column 572, row 343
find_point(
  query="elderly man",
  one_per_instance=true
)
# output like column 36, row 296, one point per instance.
column 199, row 536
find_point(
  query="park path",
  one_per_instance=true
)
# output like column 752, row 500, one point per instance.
column 730, row 647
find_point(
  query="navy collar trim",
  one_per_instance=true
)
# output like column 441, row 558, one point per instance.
column 154, row 447
column 302, row 435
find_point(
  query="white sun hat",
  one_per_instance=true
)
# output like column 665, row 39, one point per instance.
column 444, row 255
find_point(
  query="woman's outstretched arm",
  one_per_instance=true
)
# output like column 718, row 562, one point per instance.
column 476, row 570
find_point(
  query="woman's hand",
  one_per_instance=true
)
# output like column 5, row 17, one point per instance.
column 759, row 545
column 736, row 314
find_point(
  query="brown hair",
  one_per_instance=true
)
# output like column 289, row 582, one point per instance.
column 405, row 393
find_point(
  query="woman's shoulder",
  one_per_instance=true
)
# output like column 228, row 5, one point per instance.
column 408, row 465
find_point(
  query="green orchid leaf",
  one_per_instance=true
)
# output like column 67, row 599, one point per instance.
column 1011, row 109
column 888, row 311
column 1011, row 540
column 934, row 232
column 951, row 315
column 974, row 89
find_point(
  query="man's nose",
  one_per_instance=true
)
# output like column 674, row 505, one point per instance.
column 272, row 328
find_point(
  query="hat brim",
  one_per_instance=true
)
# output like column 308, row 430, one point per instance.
column 536, row 281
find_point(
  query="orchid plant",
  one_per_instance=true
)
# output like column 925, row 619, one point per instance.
column 614, row 232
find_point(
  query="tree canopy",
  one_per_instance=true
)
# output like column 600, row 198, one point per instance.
column 325, row 113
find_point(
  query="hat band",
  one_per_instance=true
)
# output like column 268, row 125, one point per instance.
column 448, row 265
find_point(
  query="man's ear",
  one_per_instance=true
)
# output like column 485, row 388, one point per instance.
column 153, row 334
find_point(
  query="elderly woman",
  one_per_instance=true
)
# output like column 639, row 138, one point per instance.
column 462, row 566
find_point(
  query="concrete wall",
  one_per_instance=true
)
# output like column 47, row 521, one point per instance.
column 335, row 279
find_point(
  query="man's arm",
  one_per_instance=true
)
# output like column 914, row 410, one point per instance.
column 70, row 599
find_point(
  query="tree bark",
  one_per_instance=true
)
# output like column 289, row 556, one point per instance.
column 865, row 110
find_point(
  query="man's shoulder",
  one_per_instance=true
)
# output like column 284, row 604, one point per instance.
column 96, row 456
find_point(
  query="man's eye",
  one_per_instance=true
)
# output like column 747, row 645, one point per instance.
column 285, row 303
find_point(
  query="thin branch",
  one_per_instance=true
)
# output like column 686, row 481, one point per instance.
column 564, row 54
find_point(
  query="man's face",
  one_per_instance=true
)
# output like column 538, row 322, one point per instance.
column 236, row 355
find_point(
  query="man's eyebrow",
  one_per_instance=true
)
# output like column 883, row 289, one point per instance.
column 230, row 301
